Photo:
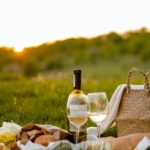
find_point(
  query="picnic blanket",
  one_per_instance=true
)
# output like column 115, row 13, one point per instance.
column 138, row 141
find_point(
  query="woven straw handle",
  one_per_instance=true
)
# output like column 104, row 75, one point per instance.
column 146, row 84
column 148, row 73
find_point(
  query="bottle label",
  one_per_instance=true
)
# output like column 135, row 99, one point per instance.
column 78, row 110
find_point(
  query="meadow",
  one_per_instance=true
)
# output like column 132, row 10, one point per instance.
column 35, row 84
column 42, row 99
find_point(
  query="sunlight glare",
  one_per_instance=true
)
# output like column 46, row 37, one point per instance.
column 22, row 24
column 18, row 48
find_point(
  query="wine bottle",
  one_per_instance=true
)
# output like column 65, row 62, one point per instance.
column 77, row 106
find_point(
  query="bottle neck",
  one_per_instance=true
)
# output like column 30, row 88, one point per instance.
column 77, row 80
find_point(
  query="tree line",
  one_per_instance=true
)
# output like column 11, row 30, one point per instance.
column 76, row 51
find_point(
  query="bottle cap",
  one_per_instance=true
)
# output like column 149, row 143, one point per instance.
column 77, row 71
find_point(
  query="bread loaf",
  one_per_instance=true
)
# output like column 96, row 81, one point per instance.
column 32, row 131
column 44, row 139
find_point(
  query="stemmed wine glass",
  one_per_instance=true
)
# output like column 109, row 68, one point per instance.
column 98, row 108
column 77, row 108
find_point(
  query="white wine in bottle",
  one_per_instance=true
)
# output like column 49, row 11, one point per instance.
column 77, row 109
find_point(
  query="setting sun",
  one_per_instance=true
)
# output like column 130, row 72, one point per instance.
column 31, row 22
column 18, row 48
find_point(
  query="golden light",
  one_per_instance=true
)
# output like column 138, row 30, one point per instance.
column 18, row 48
column 32, row 22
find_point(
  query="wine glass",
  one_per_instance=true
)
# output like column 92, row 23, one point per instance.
column 77, row 108
column 97, row 108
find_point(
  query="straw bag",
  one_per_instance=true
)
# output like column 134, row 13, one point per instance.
column 134, row 110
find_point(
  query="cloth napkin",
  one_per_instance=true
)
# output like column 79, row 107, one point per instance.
column 66, row 145
column 144, row 144
column 113, row 108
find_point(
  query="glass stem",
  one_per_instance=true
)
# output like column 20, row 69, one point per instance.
column 99, row 130
column 77, row 133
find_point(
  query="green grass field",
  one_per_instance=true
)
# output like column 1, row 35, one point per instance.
column 43, row 99
column 41, row 96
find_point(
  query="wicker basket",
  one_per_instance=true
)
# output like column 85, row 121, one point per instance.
column 134, row 110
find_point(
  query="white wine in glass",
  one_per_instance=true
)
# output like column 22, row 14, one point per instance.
column 98, row 108
column 98, row 117
column 78, row 121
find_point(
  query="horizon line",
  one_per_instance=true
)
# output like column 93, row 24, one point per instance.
column 76, row 37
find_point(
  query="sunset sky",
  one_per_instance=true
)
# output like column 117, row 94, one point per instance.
column 32, row 22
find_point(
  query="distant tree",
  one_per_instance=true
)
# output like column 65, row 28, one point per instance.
column 53, row 65
column 30, row 68
column 79, row 51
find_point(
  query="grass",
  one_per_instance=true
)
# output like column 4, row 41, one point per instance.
column 43, row 99
column 34, row 101
column 25, row 100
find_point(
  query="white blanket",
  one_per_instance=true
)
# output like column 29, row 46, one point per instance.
column 113, row 109
column 143, row 144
